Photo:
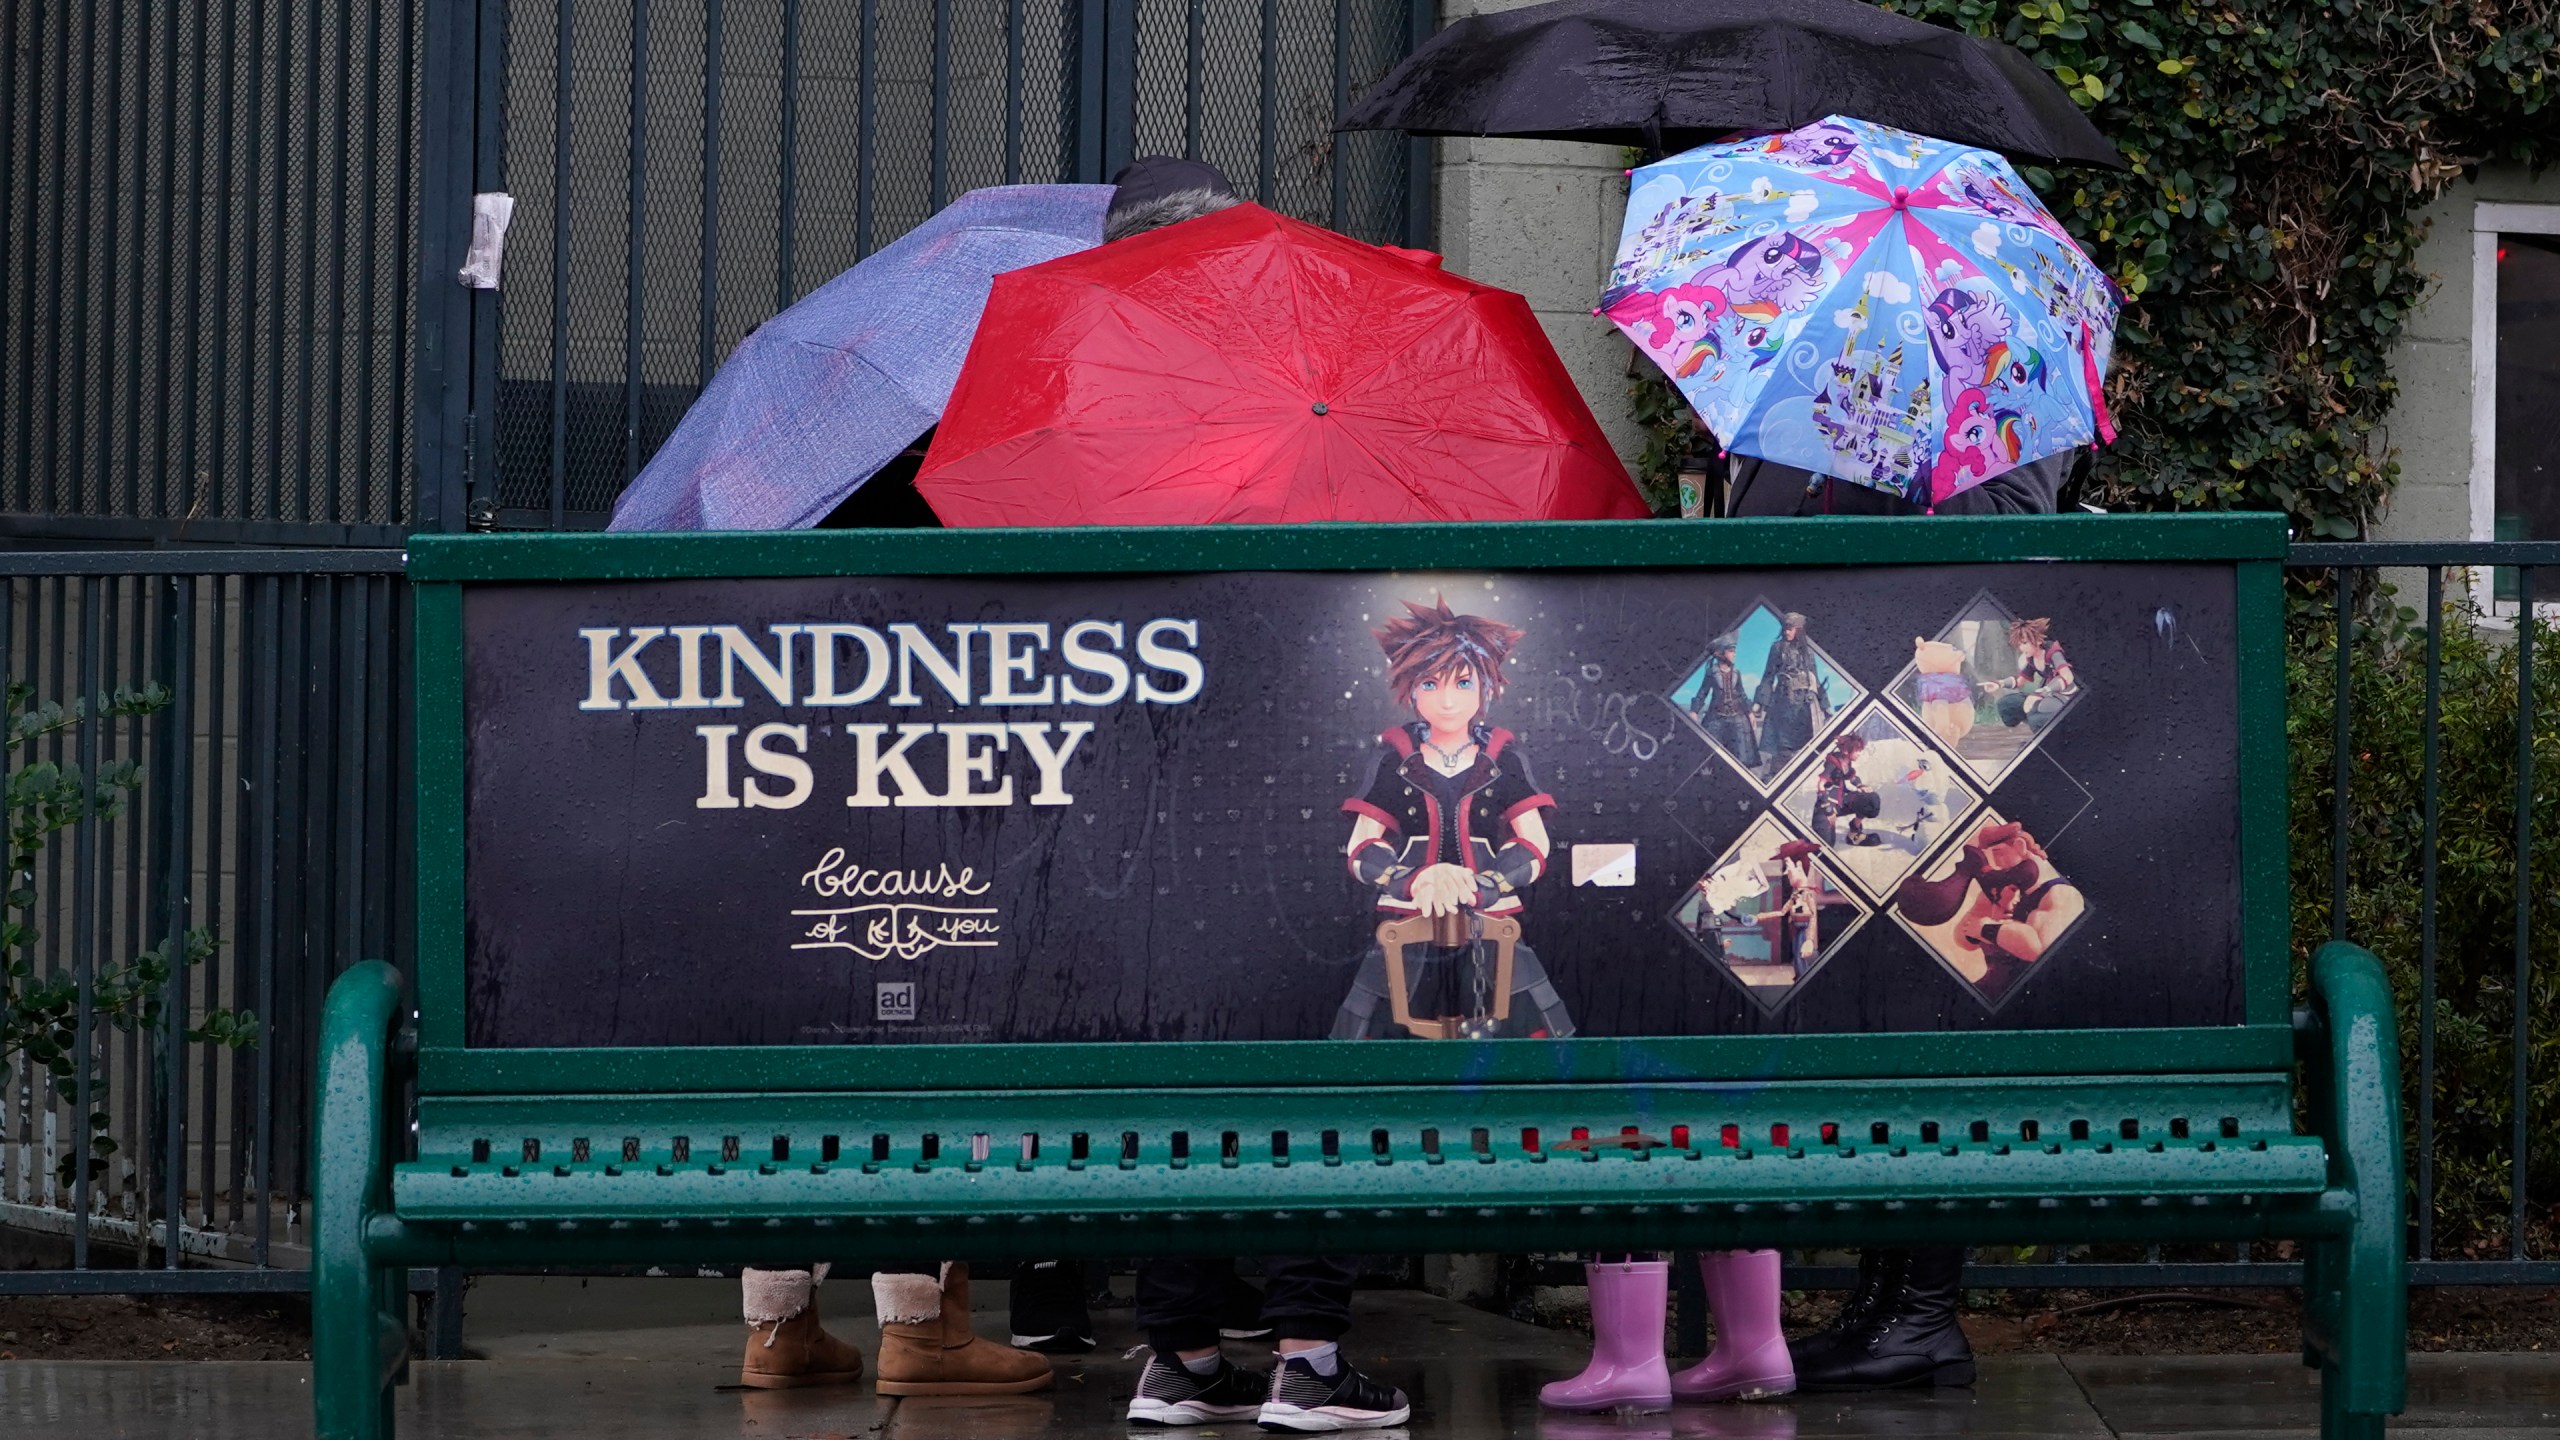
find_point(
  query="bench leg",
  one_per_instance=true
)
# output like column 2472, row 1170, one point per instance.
column 2360, row 1362
column 359, row 1346
column 2336, row 1421
column 2355, row 1283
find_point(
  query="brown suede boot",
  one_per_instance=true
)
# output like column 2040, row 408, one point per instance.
column 928, row 1348
column 786, row 1347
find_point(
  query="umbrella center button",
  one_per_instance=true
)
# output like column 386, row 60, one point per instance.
column 1319, row 407
column 1901, row 197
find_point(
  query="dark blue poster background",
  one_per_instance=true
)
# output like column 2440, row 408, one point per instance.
column 2074, row 813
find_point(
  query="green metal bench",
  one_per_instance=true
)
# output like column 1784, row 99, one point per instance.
column 1962, row 1132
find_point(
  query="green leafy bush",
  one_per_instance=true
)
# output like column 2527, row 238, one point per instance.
column 2476, row 907
column 40, row 1014
column 2284, row 153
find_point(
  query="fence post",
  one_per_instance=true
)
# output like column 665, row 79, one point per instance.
column 1105, row 91
column 1420, row 153
column 487, row 129
column 172, row 780
column 448, row 95
column 1119, row 85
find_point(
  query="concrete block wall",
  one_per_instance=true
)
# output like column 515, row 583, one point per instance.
column 1541, row 217
column 2430, row 423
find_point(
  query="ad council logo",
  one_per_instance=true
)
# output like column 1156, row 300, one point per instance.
column 897, row 1000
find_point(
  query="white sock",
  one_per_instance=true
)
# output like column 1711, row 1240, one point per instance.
column 1205, row 1365
column 1326, row 1359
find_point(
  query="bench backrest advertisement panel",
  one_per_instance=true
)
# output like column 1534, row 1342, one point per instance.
column 1226, row 806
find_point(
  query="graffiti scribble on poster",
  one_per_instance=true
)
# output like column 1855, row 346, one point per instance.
column 1768, row 913
column 1764, row 692
column 1878, row 800
column 1989, row 686
column 1993, row 909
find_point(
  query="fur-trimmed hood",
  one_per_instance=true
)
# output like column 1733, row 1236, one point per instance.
column 1171, row 208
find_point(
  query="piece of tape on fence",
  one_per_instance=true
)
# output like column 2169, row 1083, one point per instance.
column 490, row 212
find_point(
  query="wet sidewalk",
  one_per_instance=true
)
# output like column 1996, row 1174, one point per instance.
column 552, row 1369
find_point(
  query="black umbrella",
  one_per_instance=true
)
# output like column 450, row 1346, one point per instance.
column 1670, row 74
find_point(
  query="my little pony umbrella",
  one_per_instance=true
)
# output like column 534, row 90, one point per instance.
column 1866, row 303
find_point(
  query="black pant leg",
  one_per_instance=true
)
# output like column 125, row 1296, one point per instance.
column 1180, row 1298
column 1309, row 1296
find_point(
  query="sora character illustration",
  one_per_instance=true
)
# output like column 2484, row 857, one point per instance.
column 2043, row 683
column 1841, row 792
column 1450, row 824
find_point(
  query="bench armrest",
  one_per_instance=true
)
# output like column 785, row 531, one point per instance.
column 2351, row 1059
column 359, row 1338
column 353, row 1119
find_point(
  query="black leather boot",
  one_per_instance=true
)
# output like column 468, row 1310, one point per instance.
column 1912, row 1339
column 1880, row 1273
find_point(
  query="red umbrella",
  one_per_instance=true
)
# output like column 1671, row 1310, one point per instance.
column 1248, row 367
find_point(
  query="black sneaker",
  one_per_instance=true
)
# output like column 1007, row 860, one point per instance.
column 1169, row 1394
column 1049, row 1312
column 1243, row 1312
column 1303, row 1400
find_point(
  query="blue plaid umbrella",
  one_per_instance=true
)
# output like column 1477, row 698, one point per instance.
column 818, row 398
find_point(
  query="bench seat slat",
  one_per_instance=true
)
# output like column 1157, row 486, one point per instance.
column 431, row 1192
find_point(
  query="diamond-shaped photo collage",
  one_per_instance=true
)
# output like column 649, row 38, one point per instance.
column 1769, row 912
column 1988, row 687
column 1880, row 803
column 1764, row 692
column 1879, row 800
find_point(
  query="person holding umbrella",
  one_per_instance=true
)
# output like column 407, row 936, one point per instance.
column 1984, row 412
column 1926, row 345
column 1670, row 74
column 821, row 417
column 1246, row 367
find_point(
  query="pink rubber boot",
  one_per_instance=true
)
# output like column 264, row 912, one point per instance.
column 1750, row 1359
column 1627, row 1370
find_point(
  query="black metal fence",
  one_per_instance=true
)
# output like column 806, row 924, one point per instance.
column 271, row 815
column 2499, row 580
column 684, row 169
column 208, row 270
column 229, row 313
column 230, row 233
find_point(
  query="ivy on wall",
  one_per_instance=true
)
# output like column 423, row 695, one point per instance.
column 2284, row 153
